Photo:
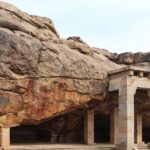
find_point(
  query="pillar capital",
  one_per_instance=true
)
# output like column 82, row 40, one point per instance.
column 127, row 91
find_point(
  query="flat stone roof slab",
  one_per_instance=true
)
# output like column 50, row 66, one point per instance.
column 128, row 68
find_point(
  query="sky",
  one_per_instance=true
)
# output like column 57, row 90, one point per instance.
column 116, row 25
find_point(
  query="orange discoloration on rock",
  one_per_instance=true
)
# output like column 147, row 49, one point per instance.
column 41, row 99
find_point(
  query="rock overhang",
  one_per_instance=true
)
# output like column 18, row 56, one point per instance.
column 47, row 76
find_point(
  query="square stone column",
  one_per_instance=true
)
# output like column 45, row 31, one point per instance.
column 114, row 126
column 89, row 127
column 4, row 137
column 138, row 129
column 126, row 116
column 53, row 138
column 61, row 138
column 126, row 80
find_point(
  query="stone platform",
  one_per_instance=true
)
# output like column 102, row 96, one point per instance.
column 62, row 147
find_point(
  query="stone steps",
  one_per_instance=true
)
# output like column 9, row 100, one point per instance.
column 61, row 147
column 100, row 148
column 142, row 147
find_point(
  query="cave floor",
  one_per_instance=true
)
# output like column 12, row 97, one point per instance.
column 61, row 147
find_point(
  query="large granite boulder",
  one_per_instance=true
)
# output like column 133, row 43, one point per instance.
column 44, row 78
column 42, row 75
column 132, row 58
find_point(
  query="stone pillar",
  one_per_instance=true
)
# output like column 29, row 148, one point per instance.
column 61, row 139
column 126, row 116
column 53, row 138
column 89, row 127
column 138, row 131
column 4, row 137
column 114, row 126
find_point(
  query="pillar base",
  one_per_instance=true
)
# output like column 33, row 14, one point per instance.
column 89, row 143
column 54, row 138
column 61, row 139
column 141, row 143
column 124, row 147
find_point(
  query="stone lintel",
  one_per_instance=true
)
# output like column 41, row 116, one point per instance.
column 130, row 79
column 129, row 69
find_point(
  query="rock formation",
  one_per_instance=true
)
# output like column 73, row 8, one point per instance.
column 43, row 76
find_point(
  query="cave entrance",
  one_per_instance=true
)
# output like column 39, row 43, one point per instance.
column 146, row 135
column 68, row 128
column 26, row 134
column 65, row 129
column 102, row 128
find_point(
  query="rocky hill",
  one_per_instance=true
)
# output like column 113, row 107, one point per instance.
column 43, row 76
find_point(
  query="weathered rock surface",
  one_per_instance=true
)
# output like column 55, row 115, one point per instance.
column 132, row 58
column 42, row 75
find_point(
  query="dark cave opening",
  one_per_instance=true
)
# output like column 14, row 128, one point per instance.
column 102, row 128
column 146, row 134
column 35, row 134
column 29, row 134
column 101, row 131
column 75, row 137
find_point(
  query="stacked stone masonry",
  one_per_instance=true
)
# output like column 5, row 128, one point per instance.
column 126, row 81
